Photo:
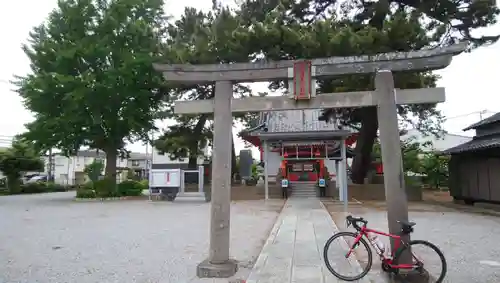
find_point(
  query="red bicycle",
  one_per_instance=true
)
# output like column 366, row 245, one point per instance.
column 350, row 244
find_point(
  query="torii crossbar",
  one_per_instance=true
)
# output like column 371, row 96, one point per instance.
column 301, row 76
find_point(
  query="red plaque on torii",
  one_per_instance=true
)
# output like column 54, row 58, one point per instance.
column 302, row 80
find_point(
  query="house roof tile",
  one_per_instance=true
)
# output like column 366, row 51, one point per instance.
column 490, row 120
column 475, row 145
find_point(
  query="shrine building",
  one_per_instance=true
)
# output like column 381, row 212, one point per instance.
column 300, row 148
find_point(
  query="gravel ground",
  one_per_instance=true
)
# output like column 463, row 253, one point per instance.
column 50, row 238
column 469, row 239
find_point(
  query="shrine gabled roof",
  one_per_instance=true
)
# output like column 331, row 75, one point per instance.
column 299, row 123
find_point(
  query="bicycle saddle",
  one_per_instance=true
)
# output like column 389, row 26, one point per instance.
column 407, row 223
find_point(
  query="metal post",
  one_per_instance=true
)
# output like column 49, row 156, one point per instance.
column 218, row 263
column 150, row 168
column 395, row 194
column 341, row 180
column 337, row 178
column 266, row 169
column 182, row 188
column 201, row 179
column 343, row 155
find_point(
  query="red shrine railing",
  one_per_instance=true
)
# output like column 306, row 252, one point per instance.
column 348, row 142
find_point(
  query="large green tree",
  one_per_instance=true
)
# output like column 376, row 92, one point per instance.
column 285, row 29
column 216, row 36
column 92, row 82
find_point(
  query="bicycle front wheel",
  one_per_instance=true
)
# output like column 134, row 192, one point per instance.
column 345, row 260
column 427, row 258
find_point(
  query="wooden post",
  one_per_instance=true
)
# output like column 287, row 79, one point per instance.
column 218, row 263
column 394, row 183
column 266, row 169
column 345, row 183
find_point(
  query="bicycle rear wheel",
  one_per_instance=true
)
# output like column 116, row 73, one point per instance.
column 430, row 258
column 356, row 265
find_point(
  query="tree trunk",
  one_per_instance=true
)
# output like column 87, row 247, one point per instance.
column 14, row 184
column 194, row 146
column 110, row 170
column 364, row 145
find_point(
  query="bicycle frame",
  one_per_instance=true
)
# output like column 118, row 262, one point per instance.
column 397, row 243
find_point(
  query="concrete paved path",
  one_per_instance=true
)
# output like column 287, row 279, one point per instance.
column 294, row 250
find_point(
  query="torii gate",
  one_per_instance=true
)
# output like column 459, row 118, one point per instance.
column 301, row 75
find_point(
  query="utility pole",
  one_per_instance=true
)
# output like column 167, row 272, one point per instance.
column 481, row 114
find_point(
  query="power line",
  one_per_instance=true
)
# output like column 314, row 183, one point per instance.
column 481, row 113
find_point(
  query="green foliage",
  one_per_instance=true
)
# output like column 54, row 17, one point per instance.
column 431, row 166
column 86, row 193
column 94, row 170
column 255, row 170
column 41, row 187
column 104, row 189
column 144, row 184
column 92, row 81
column 130, row 188
column 435, row 168
column 323, row 28
column 411, row 151
column 217, row 36
column 19, row 158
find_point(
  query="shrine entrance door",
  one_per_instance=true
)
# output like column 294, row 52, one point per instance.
column 303, row 170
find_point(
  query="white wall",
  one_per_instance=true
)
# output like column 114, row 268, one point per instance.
column 439, row 144
column 274, row 162
column 159, row 158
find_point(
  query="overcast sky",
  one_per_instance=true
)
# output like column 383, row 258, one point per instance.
column 470, row 80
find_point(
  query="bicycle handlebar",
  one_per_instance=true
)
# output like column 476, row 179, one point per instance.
column 354, row 221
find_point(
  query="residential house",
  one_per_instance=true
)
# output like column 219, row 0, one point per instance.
column 140, row 164
column 70, row 170
column 163, row 160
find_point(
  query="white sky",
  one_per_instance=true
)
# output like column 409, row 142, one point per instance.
column 470, row 80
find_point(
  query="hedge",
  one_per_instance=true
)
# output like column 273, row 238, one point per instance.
column 41, row 187
column 106, row 189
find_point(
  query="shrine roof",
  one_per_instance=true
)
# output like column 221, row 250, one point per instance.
column 296, row 124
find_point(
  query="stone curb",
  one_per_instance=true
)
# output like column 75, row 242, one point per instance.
column 261, row 260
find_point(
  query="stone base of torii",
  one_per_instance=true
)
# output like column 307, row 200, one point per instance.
column 385, row 98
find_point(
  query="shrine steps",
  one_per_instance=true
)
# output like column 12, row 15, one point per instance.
column 304, row 189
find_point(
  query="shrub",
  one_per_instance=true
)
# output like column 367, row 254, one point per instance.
column 144, row 184
column 130, row 188
column 85, row 193
column 105, row 188
column 53, row 187
column 42, row 187
column 33, row 188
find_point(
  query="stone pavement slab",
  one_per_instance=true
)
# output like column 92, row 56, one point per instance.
column 293, row 252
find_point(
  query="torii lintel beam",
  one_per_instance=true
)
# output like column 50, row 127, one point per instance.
column 322, row 67
column 326, row 100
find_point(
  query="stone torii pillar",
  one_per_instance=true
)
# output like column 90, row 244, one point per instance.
column 302, row 75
